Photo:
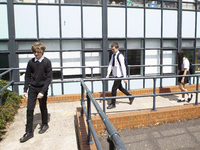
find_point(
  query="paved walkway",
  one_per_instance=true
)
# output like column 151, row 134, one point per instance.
column 62, row 134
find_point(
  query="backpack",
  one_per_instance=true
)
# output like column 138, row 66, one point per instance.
column 125, row 60
column 191, row 70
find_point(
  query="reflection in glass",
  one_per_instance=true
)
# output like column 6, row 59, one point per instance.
column 188, row 6
column 137, row 3
column 92, row 44
column 117, row 2
column 71, row 1
column 25, row 45
column 197, row 60
column 133, row 44
column 94, row 2
column 48, row 1
column 51, row 44
column 171, row 5
column 135, row 57
column 3, row 46
column 169, row 58
column 155, row 4
column 3, row 0
column 169, row 43
column 187, row 43
column 198, row 7
column 25, row 1
column 152, row 43
column 71, row 44
column 120, row 43
column 198, row 43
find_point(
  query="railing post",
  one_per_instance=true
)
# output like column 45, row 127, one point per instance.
column 129, row 76
column 111, row 144
column 89, row 138
column 197, row 92
column 92, row 87
column 0, row 98
column 154, row 94
column 52, row 89
column 82, row 98
column 104, row 105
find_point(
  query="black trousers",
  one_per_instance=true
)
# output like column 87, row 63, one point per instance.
column 118, row 85
column 32, row 97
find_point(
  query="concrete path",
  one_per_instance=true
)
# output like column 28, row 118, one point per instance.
column 61, row 134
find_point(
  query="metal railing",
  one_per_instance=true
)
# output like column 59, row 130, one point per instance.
column 114, row 139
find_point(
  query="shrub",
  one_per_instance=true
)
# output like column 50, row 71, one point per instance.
column 10, row 104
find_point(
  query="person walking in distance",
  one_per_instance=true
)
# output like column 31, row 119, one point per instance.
column 183, row 69
column 38, row 76
column 118, row 70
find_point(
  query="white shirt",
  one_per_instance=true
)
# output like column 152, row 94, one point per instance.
column 117, row 70
column 186, row 64
column 40, row 60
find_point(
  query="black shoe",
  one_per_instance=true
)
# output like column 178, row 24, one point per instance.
column 111, row 106
column 26, row 137
column 189, row 99
column 181, row 100
column 131, row 100
column 43, row 128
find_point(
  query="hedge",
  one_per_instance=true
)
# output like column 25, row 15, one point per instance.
column 10, row 104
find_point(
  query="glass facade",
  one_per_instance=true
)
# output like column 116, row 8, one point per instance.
column 79, row 33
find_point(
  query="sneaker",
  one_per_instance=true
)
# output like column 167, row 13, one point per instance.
column 190, row 97
column 181, row 100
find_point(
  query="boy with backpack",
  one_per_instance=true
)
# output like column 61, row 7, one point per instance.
column 118, row 68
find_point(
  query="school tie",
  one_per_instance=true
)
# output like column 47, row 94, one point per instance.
column 113, row 64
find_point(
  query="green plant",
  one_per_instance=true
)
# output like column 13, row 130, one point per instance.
column 10, row 104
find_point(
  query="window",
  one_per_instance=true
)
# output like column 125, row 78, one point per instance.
column 188, row 5
column 71, row 1
column 51, row 45
column 4, row 22
column 25, row 1
column 152, row 43
column 71, row 45
column 135, row 57
column 169, row 58
column 4, row 64
column 150, row 3
column 187, row 43
column 93, row 45
column 197, row 60
column 25, row 45
column 170, row 5
column 95, row 2
column 169, row 43
column 117, row 2
column 135, row 44
column 120, row 43
column 93, row 59
column 3, row 46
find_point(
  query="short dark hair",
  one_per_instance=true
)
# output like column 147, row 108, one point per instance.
column 115, row 44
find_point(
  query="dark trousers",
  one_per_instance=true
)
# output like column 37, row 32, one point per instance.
column 118, row 85
column 32, row 97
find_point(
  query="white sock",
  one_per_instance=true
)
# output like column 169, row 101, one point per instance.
column 182, row 99
column 189, row 96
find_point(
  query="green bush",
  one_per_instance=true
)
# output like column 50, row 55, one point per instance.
column 10, row 104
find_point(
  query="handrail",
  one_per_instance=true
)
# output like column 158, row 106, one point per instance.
column 114, row 136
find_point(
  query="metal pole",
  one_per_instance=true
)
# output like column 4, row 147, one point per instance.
column 89, row 138
column 82, row 98
column 197, row 92
column 104, row 106
column 154, row 94
column 92, row 81
column 111, row 144
column 52, row 89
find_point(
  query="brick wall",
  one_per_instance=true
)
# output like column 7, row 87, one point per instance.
column 77, row 97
